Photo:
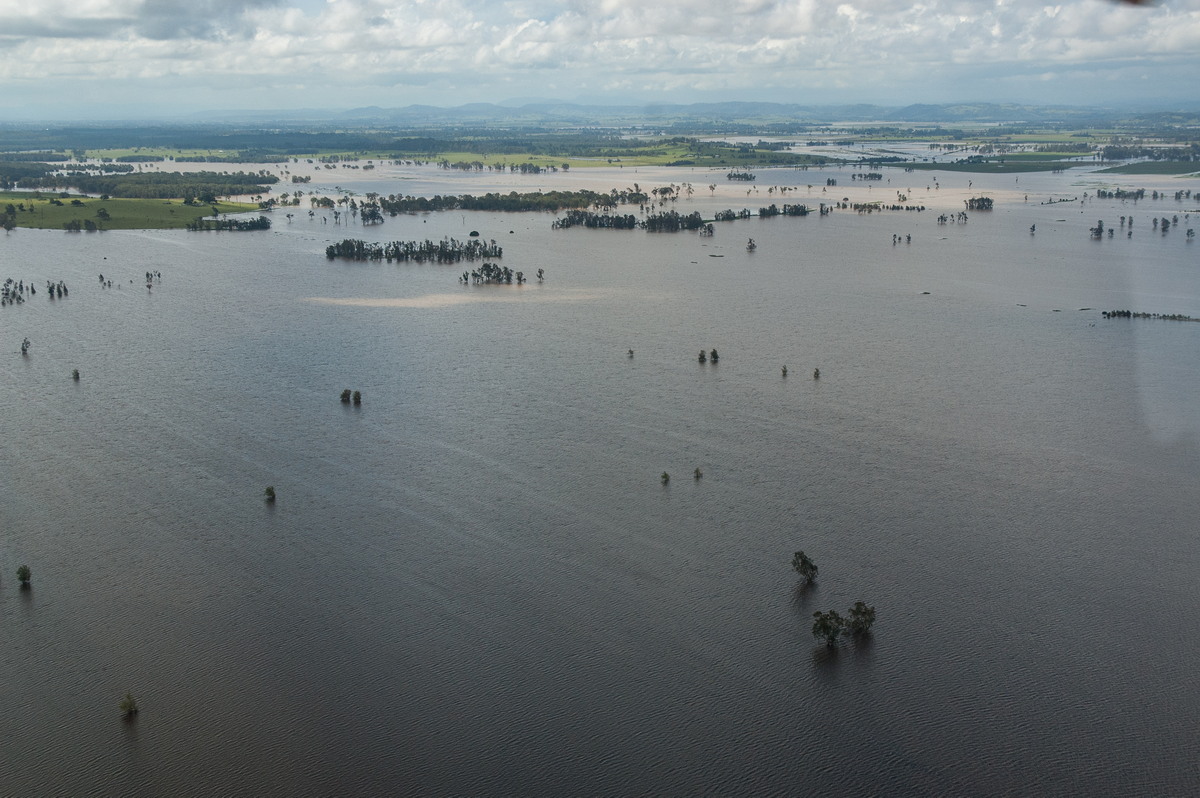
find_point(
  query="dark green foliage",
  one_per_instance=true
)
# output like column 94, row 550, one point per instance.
column 448, row 250
column 861, row 618
column 665, row 477
column 604, row 221
column 492, row 273
column 346, row 396
column 828, row 625
column 511, row 202
column 803, row 565
column 358, row 397
column 230, row 225
column 269, row 493
column 673, row 222
column 369, row 213
column 75, row 374
column 129, row 705
column 23, row 574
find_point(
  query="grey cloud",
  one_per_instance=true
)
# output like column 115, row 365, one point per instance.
column 202, row 19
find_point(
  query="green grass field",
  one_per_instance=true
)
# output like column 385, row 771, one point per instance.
column 124, row 214
column 1182, row 168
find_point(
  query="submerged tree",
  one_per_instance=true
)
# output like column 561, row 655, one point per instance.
column 23, row 574
column 804, row 566
column 269, row 493
column 129, row 705
column 828, row 625
column 861, row 618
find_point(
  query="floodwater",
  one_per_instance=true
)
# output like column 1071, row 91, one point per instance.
column 475, row 583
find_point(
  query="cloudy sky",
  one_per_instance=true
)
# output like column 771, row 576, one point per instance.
column 111, row 58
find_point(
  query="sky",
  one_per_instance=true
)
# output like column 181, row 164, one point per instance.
column 97, row 59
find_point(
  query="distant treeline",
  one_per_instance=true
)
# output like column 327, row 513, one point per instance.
column 159, row 185
column 42, row 155
column 448, row 250
column 1129, row 314
column 14, row 174
column 1120, row 193
column 582, row 218
column 670, row 221
column 787, row 210
column 1118, row 152
column 513, row 201
column 232, row 225
column 40, row 174
column 673, row 221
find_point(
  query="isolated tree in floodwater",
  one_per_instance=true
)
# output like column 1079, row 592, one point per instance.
column 861, row 618
column 803, row 565
column 828, row 625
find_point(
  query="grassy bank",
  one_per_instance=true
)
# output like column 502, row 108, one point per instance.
column 40, row 211
column 1155, row 168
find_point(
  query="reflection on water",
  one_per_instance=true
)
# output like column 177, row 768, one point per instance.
column 475, row 583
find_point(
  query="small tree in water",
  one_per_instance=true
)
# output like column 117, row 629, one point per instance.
column 804, row 566
column 23, row 574
column 861, row 618
column 346, row 396
column 827, row 625
column 129, row 705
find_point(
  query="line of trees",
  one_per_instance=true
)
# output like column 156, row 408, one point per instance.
column 582, row 218
column 230, row 225
column 673, row 221
column 448, row 250
column 160, row 185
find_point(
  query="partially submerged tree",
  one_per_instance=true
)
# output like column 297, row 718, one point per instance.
column 129, row 705
column 23, row 574
column 861, row 618
column 804, row 566
column 828, row 625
